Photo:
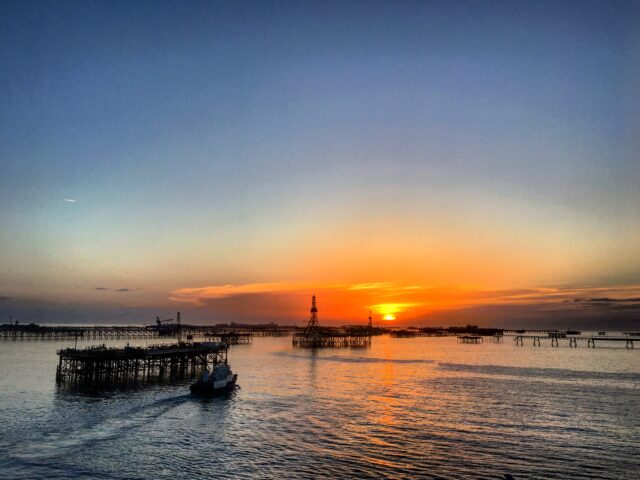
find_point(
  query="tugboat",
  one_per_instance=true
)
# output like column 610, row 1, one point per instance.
column 219, row 380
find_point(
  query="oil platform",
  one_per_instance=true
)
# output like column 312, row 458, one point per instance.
column 315, row 336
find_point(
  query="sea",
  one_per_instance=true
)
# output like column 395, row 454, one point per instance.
column 423, row 407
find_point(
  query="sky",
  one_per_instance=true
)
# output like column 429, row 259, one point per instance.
column 433, row 162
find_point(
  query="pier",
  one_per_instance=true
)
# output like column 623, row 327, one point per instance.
column 101, row 365
column 331, row 338
column 473, row 339
column 559, row 333
column 33, row 331
column 407, row 333
column 162, row 328
column 230, row 338
column 474, row 330
column 574, row 341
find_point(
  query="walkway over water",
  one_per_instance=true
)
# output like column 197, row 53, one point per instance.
column 100, row 365
column 574, row 341
column 104, row 332
column 42, row 332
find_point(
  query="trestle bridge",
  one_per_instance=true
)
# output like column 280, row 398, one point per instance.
column 573, row 341
column 103, row 366
column 231, row 334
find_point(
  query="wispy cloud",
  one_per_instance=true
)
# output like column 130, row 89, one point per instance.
column 345, row 301
column 200, row 295
column 70, row 200
column 114, row 290
column 371, row 286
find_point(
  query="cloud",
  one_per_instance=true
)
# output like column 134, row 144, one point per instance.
column 124, row 290
column 414, row 295
column 200, row 295
column 412, row 303
column 609, row 300
column 70, row 200
column 101, row 288
column 371, row 286
column 393, row 308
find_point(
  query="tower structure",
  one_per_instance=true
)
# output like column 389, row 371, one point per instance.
column 370, row 321
column 312, row 326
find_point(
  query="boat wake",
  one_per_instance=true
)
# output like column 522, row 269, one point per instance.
column 64, row 439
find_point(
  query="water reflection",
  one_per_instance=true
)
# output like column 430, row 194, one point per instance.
column 405, row 408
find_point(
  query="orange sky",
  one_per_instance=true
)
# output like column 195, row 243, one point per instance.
column 431, row 168
column 350, row 303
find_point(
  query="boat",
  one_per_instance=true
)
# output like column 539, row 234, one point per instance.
column 219, row 380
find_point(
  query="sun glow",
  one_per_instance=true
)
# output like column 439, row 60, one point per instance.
column 390, row 311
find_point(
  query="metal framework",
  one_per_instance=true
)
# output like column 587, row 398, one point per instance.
column 574, row 341
column 100, row 365
column 470, row 339
column 231, row 338
column 40, row 332
column 315, row 336
column 312, row 326
column 13, row 332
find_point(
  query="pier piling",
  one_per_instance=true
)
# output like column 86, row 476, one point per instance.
column 101, row 365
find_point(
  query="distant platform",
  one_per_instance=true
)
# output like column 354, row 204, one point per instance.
column 331, row 339
column 474, row 339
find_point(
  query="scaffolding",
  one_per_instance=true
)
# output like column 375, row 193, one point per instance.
column 102, row 365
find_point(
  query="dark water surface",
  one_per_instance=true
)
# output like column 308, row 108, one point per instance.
column 405, row 408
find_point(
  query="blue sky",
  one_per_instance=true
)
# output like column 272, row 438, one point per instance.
column 215, row 143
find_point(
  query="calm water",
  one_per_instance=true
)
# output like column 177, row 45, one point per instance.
column 424, row 407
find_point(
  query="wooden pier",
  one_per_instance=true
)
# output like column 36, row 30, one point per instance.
column 40, row 332
column 542, row 333
column 473, row 339
column 574, row 341
column 230, row 338
column 473, row 330
column 32, row 331
column 407, row 333
column 101, row 365
column 331, row 338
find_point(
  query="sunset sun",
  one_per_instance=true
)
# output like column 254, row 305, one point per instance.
column 389, row 317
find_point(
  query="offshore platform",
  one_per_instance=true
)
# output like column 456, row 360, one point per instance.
column 315, row 336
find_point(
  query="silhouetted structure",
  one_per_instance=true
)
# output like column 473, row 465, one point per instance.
column 475, row 339
column 575, row 340
column 315, row 336
column 34, row 331
column 101, row 365
column 231, row 338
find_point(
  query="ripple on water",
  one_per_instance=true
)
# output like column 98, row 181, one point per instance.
column 427, row 408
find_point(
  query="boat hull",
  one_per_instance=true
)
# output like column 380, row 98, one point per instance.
column 209, row 388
